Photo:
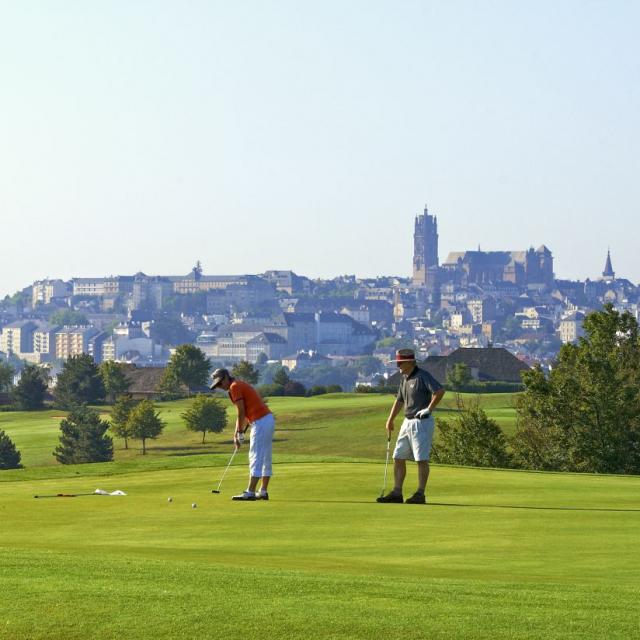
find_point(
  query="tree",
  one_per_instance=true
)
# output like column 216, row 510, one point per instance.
column 120, row 417
column 68, row 317
column 144, row 423
column 114, row 379
column 262, row 358
column 205, row 414
column 267, row 390
column 83, row 438
column 244, row 370
column 79, row 383
column 585, row 416
column 472, row 439
column 317, row 390
column 281, row 377
column 368, row 365
column 169, row 387
column 168, row 329
column 190, row 366
column 30, row 391
column 6, row 376
column 294, row 388
column 9, row 455
column 458, row 376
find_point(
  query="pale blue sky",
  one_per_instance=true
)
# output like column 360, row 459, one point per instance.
column 144, row 135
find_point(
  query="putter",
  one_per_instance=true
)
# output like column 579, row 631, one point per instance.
column 386, row 466
column 233, row 455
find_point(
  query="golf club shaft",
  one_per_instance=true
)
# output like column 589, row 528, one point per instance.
column 386, row 466
column 67, row 495
column 233, row 455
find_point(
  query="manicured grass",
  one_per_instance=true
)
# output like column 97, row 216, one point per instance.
column 343, row 425
column 496, row 554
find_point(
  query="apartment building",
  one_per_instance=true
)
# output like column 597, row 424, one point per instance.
column 72, row 341
column 111, row 286
column 44, row 291
column 17, row 337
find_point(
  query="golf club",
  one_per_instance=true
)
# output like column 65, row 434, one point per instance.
column 386, row 466
column 67, row 495
column 233, row 455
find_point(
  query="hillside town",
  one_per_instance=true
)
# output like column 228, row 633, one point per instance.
column 474, row 299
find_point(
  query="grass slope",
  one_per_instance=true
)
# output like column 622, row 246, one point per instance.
column 350, row 425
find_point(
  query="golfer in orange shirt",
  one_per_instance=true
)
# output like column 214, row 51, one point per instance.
column 252, row 411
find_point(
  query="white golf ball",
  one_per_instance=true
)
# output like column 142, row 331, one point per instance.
column 193, row 505
column 169, row 499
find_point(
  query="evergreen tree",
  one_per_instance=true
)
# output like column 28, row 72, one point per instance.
column 79, row 383
column 9, row 455
column 281, row 377
column 120, row 418
column 169, row 387
column 144, row 423
column 6, row 376
column 114, row 379
column 586, row 415
column 190, row 366
column 83, row 438
column 458, row 376
column 30, row 391
column 205, row 414
column 244, row 370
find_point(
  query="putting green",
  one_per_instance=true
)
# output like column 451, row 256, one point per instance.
column 496, row 554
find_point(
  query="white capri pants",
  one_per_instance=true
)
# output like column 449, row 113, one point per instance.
column 260, row 446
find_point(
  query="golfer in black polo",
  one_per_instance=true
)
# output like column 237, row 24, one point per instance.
column 419, row 394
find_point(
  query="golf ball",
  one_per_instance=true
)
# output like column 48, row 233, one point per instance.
column 169, row 499
column 193, row 505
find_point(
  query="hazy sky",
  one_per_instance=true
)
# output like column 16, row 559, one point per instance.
column 145, row 135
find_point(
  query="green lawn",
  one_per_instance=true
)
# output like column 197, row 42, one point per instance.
column 495, row 554
column 334, row 425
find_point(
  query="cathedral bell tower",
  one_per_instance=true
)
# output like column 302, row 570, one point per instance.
column 425, row 250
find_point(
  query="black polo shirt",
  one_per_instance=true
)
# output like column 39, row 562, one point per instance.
column 416, row 391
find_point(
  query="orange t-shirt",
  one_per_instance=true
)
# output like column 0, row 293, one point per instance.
column 254, row 405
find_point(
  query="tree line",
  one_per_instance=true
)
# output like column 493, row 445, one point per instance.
column 583, row 415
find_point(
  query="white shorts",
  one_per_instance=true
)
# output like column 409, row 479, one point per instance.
column 414, row 439
column 260, row 446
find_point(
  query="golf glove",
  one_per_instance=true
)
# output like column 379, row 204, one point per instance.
column 240, row 437
column 423, row 414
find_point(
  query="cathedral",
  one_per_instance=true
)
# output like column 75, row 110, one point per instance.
column 522, row 268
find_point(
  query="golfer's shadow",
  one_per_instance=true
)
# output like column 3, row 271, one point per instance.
column 471, row 506
column 541, row 508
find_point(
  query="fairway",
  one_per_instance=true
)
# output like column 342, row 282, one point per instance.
column 495, row 554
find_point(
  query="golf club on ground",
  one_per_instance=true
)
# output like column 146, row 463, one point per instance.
column 233, row 455
column 67, row 495
column 386, row 465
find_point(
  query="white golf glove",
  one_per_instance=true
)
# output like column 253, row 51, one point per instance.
column 423, row 414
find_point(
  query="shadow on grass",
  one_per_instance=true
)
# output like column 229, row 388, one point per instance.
column 473, row 506
column 304, row 429
column 513, row 506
